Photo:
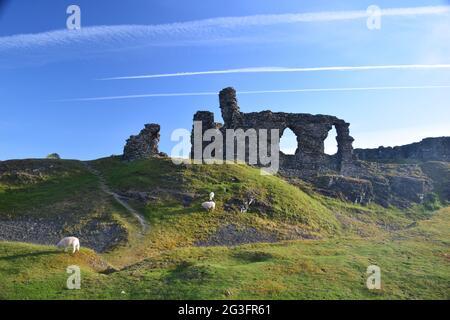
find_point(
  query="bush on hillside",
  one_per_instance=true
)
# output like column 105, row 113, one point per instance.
column 53, row 156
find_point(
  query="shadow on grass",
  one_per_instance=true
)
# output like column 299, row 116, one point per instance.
column 161, row 213
column 28, row 255
column 189, row 281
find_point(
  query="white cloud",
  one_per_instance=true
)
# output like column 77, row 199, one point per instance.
column 192, row 30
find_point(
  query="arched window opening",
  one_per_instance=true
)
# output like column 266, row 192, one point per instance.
column 288, row 142
column 331, row 147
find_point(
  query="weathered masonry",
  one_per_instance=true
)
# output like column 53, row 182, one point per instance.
column 309, row 159
column 144, row 145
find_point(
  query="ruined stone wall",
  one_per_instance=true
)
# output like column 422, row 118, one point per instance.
column 430, row 149
column 311, row 131
column 144, row 145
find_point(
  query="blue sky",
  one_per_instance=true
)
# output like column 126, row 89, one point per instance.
column 46, row 70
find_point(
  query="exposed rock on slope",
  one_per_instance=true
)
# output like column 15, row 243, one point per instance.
column 355, row 190
column 95, row 233
column 231, row 235
column 401, row 185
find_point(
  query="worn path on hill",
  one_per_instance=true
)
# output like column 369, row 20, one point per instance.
column 106, row 189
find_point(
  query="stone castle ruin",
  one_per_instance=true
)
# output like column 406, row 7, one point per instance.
column 311, row 131
column 360, row 176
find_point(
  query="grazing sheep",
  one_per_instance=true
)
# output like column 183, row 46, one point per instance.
column 69, row 242
column 209, row 205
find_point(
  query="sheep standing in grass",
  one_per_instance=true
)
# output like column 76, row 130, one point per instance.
column 209, row 205
column 69, row 242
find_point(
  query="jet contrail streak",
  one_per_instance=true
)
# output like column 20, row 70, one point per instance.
column 284, row 70
column 184, row 94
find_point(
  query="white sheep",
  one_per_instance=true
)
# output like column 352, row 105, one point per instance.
column 209, row 205
column 69, row 242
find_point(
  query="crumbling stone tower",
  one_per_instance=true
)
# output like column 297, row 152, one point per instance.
column 144, row 145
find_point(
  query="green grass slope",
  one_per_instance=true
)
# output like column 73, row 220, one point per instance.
column 30, row 271
column 280, row 211
column 287, row 203
column 323, row 245
column 28, row 186
column 414, row 265
column 43, row 200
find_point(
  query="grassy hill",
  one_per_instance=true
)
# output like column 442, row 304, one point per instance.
column 414, row 264
column 291, row 243
column 42, row 200
column 27, row 186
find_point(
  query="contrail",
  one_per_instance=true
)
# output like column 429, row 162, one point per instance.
column 282, row 69
column 200, row 30
column 183, row 94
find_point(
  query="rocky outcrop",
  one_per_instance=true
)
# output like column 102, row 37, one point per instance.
column 411, row 189
column 358, row 191
column 96, row 234
column 144, row 145
column 430, row 149
column 439, row 173
column 232, row 235
column 400, row 185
